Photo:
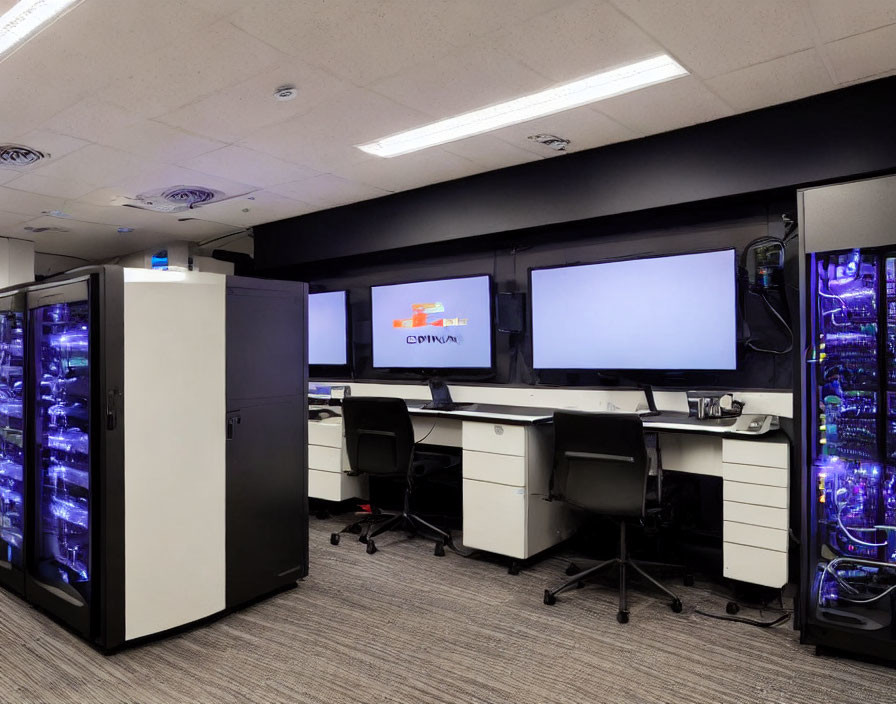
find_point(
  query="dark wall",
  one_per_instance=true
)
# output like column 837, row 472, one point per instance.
column 509, row 257
column 713, row 185
column 829, row 137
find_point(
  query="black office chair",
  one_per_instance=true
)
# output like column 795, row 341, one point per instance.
column 379, row 439
column 601, row 465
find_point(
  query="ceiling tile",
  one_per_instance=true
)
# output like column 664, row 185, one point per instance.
column 466, row 80
column 91, row 119
column 30, row 204
column 836, row 19
column 159, row 142
column 360, row 42
column 37, row 87
column 328, row 191
column 235, row 112
column 576, row 40
column 584, row 127
column 712, row 38
column 35, row 182
column 219, row 56
column 247, row 166
column 94, row 164
column 410, row 170
column 10, row 222
column 11, row 174
column 777, row 81
column 56, row 145
column 324, row 138
column 488, row 151
column 93, row 32
column 863, row 55
column 666, row 106
column 256, row 209
column 464, row 21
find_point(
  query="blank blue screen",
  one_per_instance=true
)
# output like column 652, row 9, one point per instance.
column 444, row 324
column 675, row 312
column 327, row 330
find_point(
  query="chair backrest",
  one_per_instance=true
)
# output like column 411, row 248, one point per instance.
column 600, row 462
column 379, row 436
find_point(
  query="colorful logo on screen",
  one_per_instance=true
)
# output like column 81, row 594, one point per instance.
column 426, row 314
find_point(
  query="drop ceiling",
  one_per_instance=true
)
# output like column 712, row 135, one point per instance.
column 129, row 96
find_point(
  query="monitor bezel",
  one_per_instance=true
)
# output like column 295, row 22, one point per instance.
column 329, row 371
column 629, row 370
column 439, row 371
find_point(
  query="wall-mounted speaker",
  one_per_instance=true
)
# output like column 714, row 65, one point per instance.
column 511, row 313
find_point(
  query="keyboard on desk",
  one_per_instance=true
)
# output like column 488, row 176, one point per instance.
column 447, row 406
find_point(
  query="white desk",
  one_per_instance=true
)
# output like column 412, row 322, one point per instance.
column 507, row 466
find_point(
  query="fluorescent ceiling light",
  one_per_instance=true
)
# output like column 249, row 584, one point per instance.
column 26, row 17
column 564, row 97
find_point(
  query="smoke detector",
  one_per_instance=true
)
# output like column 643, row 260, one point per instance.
column 284, row 93
column 18, row 156
column 556, row 143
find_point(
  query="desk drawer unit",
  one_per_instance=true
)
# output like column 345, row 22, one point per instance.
column 491, row 467
column 756, row 492
column 495, row 437
column 326, row 433
column 326, row 464
column 325, row 459
column 335, row 486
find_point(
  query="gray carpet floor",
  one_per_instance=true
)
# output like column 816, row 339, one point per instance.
column 405, row 626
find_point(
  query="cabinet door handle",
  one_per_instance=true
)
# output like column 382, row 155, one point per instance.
column 235, row 420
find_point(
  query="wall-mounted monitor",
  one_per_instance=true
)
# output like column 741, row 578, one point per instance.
column 428, row 325
column 663, row 313
column 328, row 329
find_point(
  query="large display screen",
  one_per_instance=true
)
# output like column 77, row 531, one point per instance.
column 676, row 312
column 443, row 324
column 327, row 328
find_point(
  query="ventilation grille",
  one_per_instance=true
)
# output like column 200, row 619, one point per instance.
column 175, row 199
column 46, row 229
column 17, row 156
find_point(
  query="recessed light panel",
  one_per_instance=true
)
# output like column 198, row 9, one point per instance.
column 27, row 17
column 564, row 97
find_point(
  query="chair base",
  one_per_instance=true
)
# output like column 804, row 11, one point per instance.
column 623, row 562
column 378, row 523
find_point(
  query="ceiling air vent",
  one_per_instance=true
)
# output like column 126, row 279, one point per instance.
column 175, row 199
column 18, row 156
column 46, row 229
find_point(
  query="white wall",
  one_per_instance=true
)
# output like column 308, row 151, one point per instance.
column 16, row 262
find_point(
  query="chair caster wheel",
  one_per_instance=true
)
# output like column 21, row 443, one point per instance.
column 676, row 606
column 688, row 580
column 354, row 528
column 732, row 608
column 572, row 569
column 514, row 568
column 362, row 538
column 439, row 550
column 371, row 547
column 622, row 616
column 549, row 599
column 334, row 538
